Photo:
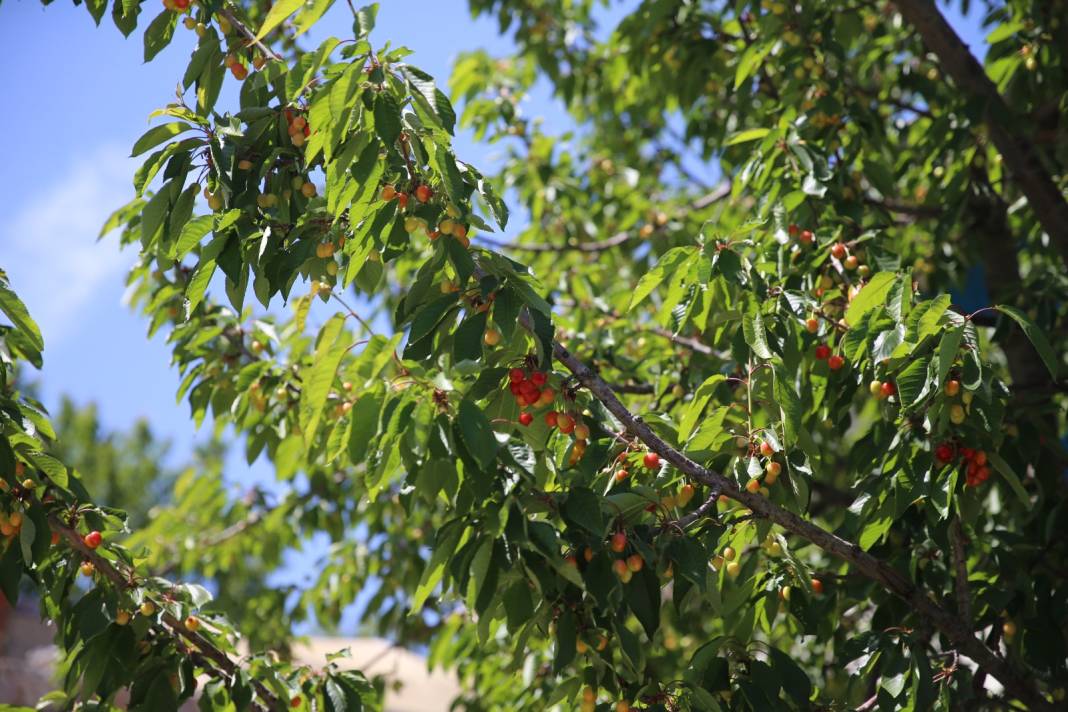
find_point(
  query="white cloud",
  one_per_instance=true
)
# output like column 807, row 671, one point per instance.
column 50, row 247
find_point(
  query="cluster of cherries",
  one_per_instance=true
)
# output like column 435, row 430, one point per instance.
column 834, row 361
column 450, row 224
column 976, row 469
column 805, row 236
column 297, row 126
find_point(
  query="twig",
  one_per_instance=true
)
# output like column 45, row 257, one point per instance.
column 243, row 29
column 126, row 579
column 682, row 523
column 721, row 192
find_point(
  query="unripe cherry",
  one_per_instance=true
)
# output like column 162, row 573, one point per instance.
column 635, row 562
column 148, row 608
column 492, row 337
column 582, row 431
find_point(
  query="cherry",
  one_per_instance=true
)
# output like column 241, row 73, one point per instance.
column 308, row 190
column 181, row 4
column 944, row 453
column 388, row 192
column 817, row 586
column 733, row 569
column 526, row 418
column 402, row 201
column 888, row 389
column 296, row 702
column 753, row 485
column 619, row 542
column 957, row 414
column 812, row 325
column 651, row 460
column 516, row 375
column 952, row 387
column 851, row 263
column 93, row 539
column 538, row 378
column 767, row 449
column 587, row 554
column 192, row 623
column 55, row 538
column 635, row 562
column 87, row 568
column 980, row 457
column 876, row 389
column 807, row 237
column 240, row 72
column 492, row 337
column 122, row 617
column 835, row 362
column 793, row 229
column 551, row 418
column 582, row 431
column 729, row 553
column 838, row 250
column 622, row 475
column 619, row 566
column 565, row 422
column 823, row 351
column 685, row 494
column 773, row 469
column 148, row 608
column 423, row 193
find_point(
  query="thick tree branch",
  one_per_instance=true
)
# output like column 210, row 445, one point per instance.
column 1019, row 154
column 226, row 668
column 951, row 626
column 960, row 566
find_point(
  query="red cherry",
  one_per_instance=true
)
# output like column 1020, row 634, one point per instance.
column 967, row 453
column 888, row 389
column 823, row 351
column 766, row 449
column 93, row 539
column 838, row 250
column 423, row 193
column 516, row 375
column 526, row 418
column 514, row 388
column 944, row 453
column 181, row 4
column 402, row 198
column 622, row 475
column 793, row 230
column 806, row 236
column 296, row 702
column 835, row 362
column 550, row 418
column 651, row 460
column 619, row 542
column 539, row 378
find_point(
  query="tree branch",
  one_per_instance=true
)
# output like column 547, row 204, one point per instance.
column 1021, row 157
column 227, row 668
column 960, row 565
column 955, row 629
column 249, row 34
column 718, row 194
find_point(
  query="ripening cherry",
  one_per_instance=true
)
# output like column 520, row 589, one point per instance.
column 944, row 453
column 952, row 388
column 651, row 461
column 621, row 475
column 619, row 542
column 835, row 362
column 148, row 608
column 812, row 325
column 823, row 352
column 55, row 538
column 753, row 485
column 772, row 471
column 851, row 263
column 423, row 193
column 635, row 562
column 729, row 553
column 1008, row 629
column 957, row 414
column 122, row 617
column 87, row 568
column 259, row 61
column 551, row 418
column 817, row 586
column 240, row 72
column 876, row 389
column 492, row 337
column 582, row 431
column 619, row 566
column 566, row 423
column 793, row 229
column 192, row 623
column 308, row 190
column 296, row 702
column 587, row 554
column 838, row 250
column 733, row 569
column 190, row 23
column 685, row 494
column 388, row 192
column 806, row 237
column 767, row 449
column 402, row 201
column 93, row 539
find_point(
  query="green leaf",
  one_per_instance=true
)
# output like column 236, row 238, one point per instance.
column 277, row 15
column 697, row 406
column 746, row 136
column 672, row 260
column 477, row 433
column 15, row 310
column 318, row 377
column 583, row 508
column 1038, row 339
column 753, row 330
column 1007, row 472
column 159, row 33
column 912, row 380
column 192, row 233
column 643, row 597
column 947, row 352
column 387, row 118
column 445, row 545
column 157, row 135
column 52, row 467
column 750, row 62
column 871, row 296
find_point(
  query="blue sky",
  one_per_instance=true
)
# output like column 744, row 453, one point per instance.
column 81, row 96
